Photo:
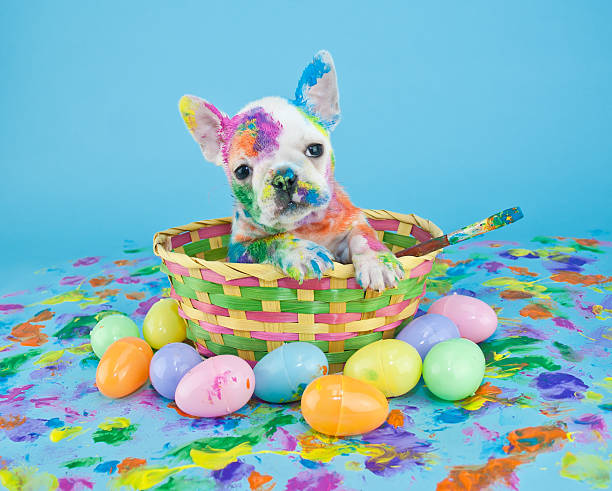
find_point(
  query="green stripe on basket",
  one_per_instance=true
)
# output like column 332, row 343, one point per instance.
column 193, row 248
column 235, row 303
column 367, row 304
column 198, row 285
column 268, row 293
column 392, row 238
column 216, row 254
column 339, row 295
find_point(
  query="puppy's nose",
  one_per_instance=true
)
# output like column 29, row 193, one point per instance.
column 284, row 179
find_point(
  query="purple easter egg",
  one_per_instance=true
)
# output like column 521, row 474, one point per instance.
column 428, row 330
column 169, row 365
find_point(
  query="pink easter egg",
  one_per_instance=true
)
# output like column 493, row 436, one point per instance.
column 216, row 387
column 475, row 319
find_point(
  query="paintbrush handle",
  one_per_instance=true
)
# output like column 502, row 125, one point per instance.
column 493, row 222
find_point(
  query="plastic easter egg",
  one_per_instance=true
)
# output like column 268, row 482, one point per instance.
column 428, row 330
column 169, row 365
column 392, row 366
column 124, row 367
column 110, row 329
column 283, row 374
column 454, row 369
column 163, row 324
column 218, row 386
column 475, row 319
column 339, row 405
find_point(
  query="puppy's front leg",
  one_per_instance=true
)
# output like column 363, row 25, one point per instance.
column 376, row 267
column 298, row 258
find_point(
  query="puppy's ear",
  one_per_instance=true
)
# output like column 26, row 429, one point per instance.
column 205, row 123
column 317, row 90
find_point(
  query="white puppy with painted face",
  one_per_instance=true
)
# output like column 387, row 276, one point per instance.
column 278, row 158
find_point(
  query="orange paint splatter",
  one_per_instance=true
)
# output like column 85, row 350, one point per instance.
column 101, row 281
column 173, row 405
column 107, row 293
column 248, row 383
column 535, row 439
column 257, row 481
column 130, row 463
column 587, row 242
column 125, row 262
column 472, row 478
column 536, row 311
column 396, row 418
column 135, row 296
column 514, row 295
column 28, row 334
column 522, row 271
column 11, row 421
column 574, row 278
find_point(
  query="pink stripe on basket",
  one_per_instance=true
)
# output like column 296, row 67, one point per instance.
column 177, row 269
column 204, row 351
column 422, row 269
column 272, row 316
column 307, row 285
column 420, row 234
column 275, row 336
column 207, row 326
column 394, row 309
column 209, row 308
column 215, row 231
column 388, row 326
column 335, row 336
column 391, row 225
column 337, row 318
column 179, row 240
column 209, row 275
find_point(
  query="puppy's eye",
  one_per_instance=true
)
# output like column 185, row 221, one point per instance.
column 242, row 172
column 314, row 150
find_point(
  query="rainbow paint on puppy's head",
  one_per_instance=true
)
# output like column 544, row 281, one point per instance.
column 276, row 153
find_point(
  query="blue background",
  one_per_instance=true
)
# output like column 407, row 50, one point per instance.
column 451, row 110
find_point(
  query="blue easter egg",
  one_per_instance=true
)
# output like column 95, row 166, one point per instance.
column 283, row 374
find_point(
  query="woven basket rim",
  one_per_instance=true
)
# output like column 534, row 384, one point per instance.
column 162, row 249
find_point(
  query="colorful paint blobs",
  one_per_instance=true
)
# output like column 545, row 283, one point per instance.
column 591, row 469
column 114, row 431
column 559, row 386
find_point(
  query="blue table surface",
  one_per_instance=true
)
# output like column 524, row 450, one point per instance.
column 540, row 418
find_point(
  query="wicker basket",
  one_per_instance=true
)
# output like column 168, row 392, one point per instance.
column 250, row 309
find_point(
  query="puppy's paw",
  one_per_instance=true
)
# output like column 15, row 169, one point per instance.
column 377, row 270
column 304, row 259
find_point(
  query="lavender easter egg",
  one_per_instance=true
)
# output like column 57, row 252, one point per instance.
column 216, row 387
column 475, row 319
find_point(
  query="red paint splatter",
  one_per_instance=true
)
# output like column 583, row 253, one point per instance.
column 535, row 439
column 28, row 333
column 101, row 281
column 574, row 278
column 514, row 295
column 396, row 418
column 130, row 463
column 468, row 478
column 135, row 296
column 522, row 271
column 257, row 481
column 536, row 311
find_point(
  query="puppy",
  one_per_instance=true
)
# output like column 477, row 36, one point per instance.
column 278, row 158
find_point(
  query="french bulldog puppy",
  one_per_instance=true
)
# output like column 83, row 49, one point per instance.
column 289, row 210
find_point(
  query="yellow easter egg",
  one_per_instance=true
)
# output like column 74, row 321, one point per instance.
column 392, row 366
column 163, row 324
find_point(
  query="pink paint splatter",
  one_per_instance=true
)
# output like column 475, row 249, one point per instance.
column 86, row 261
column 72, row 280
column 315, row 480
column 10, row 308
column 15, row 394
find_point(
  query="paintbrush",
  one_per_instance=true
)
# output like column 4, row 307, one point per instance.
column 498, row 220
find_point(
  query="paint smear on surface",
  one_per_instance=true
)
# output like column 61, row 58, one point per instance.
column 396, row 418
column 535, row 439
column 591, row 469
column 26, row 478
column 474, row 478
column 66, row 432
column 575, row 278
column 257, row 482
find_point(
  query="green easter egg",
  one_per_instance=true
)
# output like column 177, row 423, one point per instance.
column 454, row 369
column 110, row 329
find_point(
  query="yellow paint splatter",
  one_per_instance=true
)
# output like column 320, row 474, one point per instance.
column 26, row 478
column 217, row 459
column 112, row 423
column 6, row 346
column 531, row 287
column 145, row 478
column 606, row 384
column 590, row 395
column 66, row 432
column 80, row 350
column 353, row 465
column 49, row 358
column 591, row 469
column 71, row 296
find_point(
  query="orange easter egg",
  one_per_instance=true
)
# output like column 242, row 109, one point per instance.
column 124, row 367
column 338, row 405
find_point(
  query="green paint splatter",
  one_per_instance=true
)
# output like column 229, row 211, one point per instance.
column 115, row 436
column 134, row 251
column 521, row 363
column 514, row 344
column 252, row 437
column 567, row 353
column 146, row 270
column 79, row 326
column 84, row 462
column 605, row 407
column 10, row 366
column 187, row 482
column 544, row 240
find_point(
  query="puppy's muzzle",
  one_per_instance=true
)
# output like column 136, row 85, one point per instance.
column 284, row 181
